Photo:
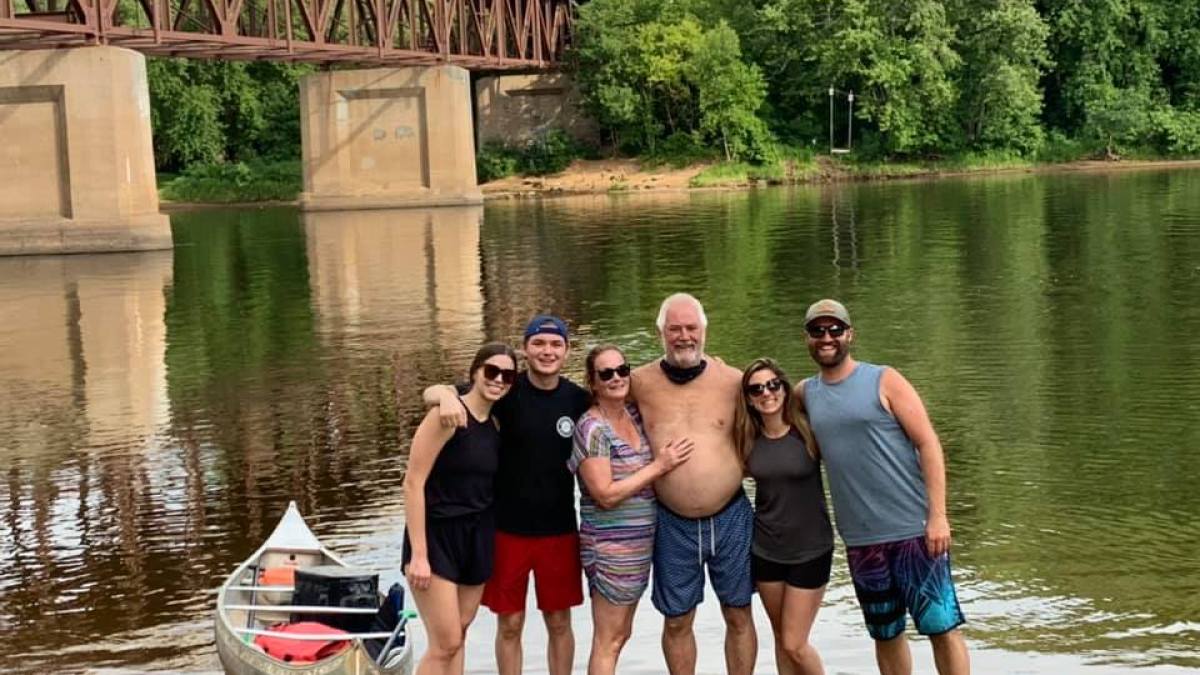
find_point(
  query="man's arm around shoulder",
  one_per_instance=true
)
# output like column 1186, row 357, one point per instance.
column 444, row 397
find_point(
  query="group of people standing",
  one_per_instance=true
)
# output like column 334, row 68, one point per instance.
column 660, row 452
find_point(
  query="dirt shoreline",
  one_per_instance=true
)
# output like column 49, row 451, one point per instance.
column 628, row 176
column 620, row 176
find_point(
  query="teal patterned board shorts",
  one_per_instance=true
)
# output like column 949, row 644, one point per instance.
column 899, row 577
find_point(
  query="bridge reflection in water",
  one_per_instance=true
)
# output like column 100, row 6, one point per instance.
column 156, row 411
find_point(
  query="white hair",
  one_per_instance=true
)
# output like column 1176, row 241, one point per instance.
column 673, row 299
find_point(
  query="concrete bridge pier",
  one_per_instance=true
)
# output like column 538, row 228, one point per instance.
column 516, row 108
column 387, row 138
column 76, row 158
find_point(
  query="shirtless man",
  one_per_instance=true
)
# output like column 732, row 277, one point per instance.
column 704, row 517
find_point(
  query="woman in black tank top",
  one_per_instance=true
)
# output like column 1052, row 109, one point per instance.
column 450, row 528
column 792, row 550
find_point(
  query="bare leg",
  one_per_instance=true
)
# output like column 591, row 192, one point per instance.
column 439, row 609
column 613, row 626
column 560, row 654
column 893, row 656
column 468, row 605
column 950, row 653
column 509, row 627
column 679, row 644
column 741, row 641
column 800, row 607
column 771, row 594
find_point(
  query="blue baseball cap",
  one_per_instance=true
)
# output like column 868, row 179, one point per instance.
column 546, row 323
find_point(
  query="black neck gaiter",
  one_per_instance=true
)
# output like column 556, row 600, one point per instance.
column 682, row 375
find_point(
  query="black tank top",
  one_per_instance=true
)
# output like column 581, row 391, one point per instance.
column 462, row 481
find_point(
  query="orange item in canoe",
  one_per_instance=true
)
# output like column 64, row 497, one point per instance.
column 278, row 576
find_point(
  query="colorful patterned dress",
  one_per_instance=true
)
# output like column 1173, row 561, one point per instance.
column 615, row 544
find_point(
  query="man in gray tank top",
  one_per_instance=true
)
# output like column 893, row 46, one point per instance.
column 887, row 479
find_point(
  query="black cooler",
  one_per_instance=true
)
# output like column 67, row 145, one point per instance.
column 334, row 586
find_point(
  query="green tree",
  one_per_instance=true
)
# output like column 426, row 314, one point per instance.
column 1003, row 47
column 730, row 94
column 652, row 70
column 1108, row 77
column 898, row 58
column 212, row 111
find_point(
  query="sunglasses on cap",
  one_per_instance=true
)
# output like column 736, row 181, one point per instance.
column 835, row 331
column 756, row 390
column 606, row 374
column 506, row 375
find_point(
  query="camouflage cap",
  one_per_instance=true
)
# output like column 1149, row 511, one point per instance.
column 827, row 308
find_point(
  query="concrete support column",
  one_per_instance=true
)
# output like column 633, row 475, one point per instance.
column 387, row 137
column 515, row 108
column 76, row 158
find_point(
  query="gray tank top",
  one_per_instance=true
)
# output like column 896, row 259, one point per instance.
column 791, row 524
column 874, row 475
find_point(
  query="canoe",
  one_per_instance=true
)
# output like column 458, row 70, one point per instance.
column 246, row 608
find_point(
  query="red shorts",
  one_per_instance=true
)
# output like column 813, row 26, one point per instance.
column 557, row 573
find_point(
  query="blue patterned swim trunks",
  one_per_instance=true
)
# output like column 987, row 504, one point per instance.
column 684, row 546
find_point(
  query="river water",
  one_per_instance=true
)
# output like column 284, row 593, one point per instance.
column 158, row 410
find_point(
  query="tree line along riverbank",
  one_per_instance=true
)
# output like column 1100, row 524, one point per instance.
column 752, row 92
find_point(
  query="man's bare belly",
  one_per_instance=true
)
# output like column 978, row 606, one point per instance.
column 705, row 483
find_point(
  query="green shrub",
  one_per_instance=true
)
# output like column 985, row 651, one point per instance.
column 496, row 160
column 235, row 182
column 1058, row 148
column 681, row 149
column 550, row 152
column 1177, row 131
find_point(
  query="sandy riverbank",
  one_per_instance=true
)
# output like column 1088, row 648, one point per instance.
column 631, row 176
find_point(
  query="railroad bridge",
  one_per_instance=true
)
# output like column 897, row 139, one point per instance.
column 388, row 122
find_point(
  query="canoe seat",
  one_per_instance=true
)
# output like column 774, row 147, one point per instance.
column 307, row 609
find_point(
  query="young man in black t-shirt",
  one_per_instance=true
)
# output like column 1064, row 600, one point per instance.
column 535, row 498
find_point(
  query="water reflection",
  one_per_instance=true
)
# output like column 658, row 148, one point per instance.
column 82, row 399
column 158, row 410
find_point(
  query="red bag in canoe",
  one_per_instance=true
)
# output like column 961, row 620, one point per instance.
column 301, row 651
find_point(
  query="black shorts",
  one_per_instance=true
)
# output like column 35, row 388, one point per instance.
column 460, row 549
column 809, row 574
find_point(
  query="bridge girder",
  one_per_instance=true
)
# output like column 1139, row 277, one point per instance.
column 474, row 34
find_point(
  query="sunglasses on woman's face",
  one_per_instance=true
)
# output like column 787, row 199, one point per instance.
column 757, row 390
column 606, row 374
column 506, row 375
column 835, row 331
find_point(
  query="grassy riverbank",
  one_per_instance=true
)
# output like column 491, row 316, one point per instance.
column 233, row 183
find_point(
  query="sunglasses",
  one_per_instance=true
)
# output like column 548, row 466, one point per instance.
column 506, row 375
column 757, row 390
column 835, row 331
column 606, row 374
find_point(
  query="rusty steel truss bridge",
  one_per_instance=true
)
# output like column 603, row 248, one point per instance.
column 473, row 34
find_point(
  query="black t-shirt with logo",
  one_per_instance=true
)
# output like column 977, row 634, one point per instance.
column 535, row 493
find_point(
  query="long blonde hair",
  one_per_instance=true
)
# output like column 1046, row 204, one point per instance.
column 748, row 423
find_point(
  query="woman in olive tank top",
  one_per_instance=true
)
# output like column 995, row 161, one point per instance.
column 449, row 534
column 792, row 551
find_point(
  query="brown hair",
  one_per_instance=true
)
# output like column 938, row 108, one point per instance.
column 748, row 423
column 486, row 352
column 589, row 366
